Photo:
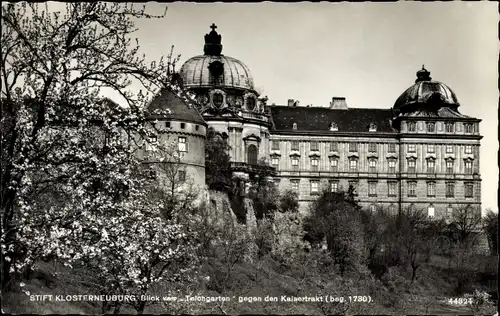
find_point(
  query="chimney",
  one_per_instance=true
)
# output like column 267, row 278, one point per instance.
column 338, row 103
column 290, row 102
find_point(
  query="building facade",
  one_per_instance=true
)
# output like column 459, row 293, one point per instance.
column 420, row 153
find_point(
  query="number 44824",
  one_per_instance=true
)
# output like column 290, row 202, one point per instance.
column 460, row 300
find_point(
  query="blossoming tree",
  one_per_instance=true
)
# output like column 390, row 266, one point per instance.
column 71, row 186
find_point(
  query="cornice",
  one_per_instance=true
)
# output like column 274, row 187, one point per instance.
column 439, row 136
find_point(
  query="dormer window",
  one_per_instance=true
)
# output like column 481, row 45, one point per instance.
column 372, row 127
column 333, row 127
column 294, row 126
column 412, row 127
column 431, row 127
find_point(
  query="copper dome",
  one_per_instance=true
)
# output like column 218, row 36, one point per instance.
column 215, row 69
column 195, row 72
column 426, row 94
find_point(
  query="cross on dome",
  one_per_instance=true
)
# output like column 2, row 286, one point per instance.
column 213, row 26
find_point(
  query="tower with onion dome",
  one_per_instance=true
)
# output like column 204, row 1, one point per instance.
column 228, row 102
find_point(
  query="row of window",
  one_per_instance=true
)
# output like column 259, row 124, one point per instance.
column 372, row 147
column 392, row 187
column 333, row 127
column 430, row 210
column 449, row 127
column 372, row 165
column 182, row 125
column 431, row 148
column 152, row 142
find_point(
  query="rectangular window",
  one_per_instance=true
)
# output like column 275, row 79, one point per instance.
column 314, row 187
column 391, row 188
column 450, row 189
column 431, row 189
column 295, row 145
column 334, row 186
column 392, row 147
column 431, row 127
column 450, row 127
column 412, row 127
column 183, row 125
column 431, row 148
column 430, row 211
column 372, row 147
column 353, row 165
column 314, row 146
column 182, row 175
column 449, row 211
column 392, row 166
column 372, row 188
column 295, row 184
column 167, row 124
column 449, row 166
column 314, row 164
column 411, row 148
column 411, row 165
column 295, row 163
column 469, row 128
column 449, row 149
column 372, row 163
column 468, row 149
column 334, row 164
column 183, row 147
column 275, row 145
column 468, row 167
column 431, row 164
column 353, row 147
column 392, row 209
column 334, row 146
column 412, row 189
column 151, row 143
column 469, row 190
column 275, row 161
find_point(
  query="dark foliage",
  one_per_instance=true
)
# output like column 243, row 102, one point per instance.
column 218, row 173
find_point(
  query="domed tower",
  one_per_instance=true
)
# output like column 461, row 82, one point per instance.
column 439, row 149
column 228, row 102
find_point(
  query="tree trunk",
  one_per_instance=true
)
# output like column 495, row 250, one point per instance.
column 141, row 307
column 413, row 272
column 10, row 236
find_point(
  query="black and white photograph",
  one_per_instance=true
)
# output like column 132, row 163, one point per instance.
column 269, row 158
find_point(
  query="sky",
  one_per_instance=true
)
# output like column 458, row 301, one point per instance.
column 366, row 52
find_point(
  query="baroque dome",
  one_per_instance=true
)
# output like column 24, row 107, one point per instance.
column 426, row 94
column 195, row 72
column 214, row 69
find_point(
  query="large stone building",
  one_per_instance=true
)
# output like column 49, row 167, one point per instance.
column 421, row 153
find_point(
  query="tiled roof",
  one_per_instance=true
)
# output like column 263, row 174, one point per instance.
column 317, row 119
column 174, row 108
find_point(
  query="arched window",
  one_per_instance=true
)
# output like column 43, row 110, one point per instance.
column 333, row 127
column 252, row 153
column 294, row 126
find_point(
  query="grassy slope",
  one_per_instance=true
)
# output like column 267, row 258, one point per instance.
column 259, row 279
